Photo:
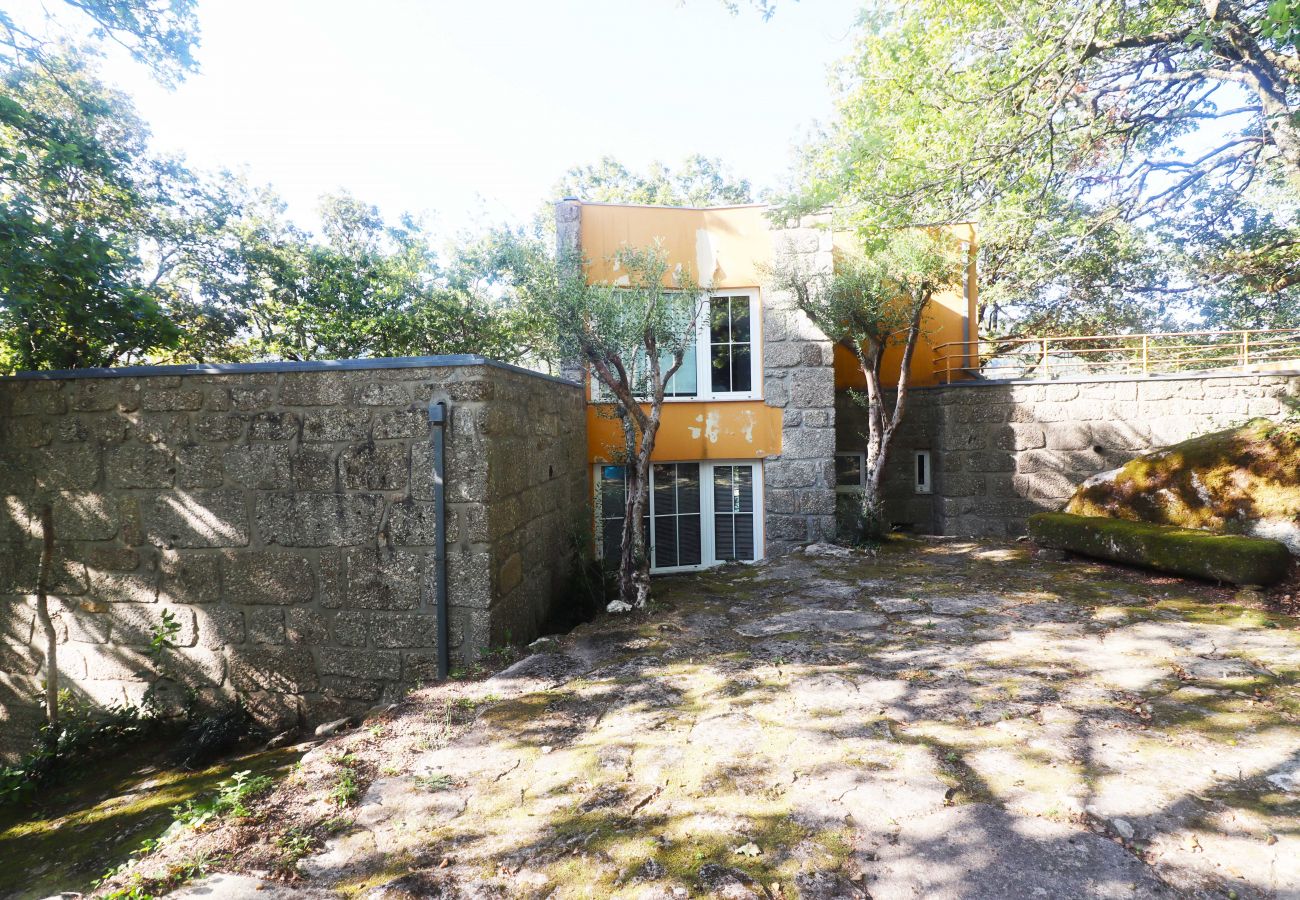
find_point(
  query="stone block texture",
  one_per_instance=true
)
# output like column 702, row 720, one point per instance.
column 286, row 519
column 799, row 378
column 1003, row 451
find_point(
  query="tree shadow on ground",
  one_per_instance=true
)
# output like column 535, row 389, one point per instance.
column 1050, row 732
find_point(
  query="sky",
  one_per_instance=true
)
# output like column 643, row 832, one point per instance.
column 469, row 111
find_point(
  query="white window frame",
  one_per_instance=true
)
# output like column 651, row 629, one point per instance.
column 862, row 474
column 708, row 545
column 702, row 350
column 597, row 392
column 923, row 486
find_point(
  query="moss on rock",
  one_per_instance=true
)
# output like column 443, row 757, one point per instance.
column 1242, row 480
column 1182, row 551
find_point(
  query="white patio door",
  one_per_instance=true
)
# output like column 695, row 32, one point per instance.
column 700, row 513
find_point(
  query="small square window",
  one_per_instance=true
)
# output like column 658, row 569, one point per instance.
column 923, row 473
column 849, row 472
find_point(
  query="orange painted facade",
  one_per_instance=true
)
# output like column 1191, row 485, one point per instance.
column 693, row 430
column 729, row 248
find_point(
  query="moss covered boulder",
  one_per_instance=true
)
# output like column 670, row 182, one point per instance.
column 1182, row 551
column 1240, row 481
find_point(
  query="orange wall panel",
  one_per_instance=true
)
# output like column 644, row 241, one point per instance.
column 725, row 247
column 689, row 430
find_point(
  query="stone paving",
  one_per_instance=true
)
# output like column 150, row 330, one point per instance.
column 939, row 720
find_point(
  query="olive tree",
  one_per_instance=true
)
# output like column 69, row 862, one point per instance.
column 873, row 300
column 631, row 337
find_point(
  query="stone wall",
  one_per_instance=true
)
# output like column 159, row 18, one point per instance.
column 283, row 515
column 799, row 377
column 1002, row 451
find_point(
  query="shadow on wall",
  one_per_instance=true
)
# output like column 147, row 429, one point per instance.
column 1001, row 452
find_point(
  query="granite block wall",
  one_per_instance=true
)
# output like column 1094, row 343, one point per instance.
column 1003, row 451
column 283, row 515
column 799, row 378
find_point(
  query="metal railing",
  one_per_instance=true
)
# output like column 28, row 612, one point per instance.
column 1115, row 354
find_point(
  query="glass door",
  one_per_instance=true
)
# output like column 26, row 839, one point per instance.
column 733, row 511
column 699, row 513
column 676, row 502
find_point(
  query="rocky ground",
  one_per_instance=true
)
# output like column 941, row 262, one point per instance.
column 946, row 719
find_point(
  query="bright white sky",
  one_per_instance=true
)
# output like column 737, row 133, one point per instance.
column 470, row 110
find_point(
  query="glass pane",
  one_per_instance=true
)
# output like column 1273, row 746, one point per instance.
column 719, row 320
column 744, row 537
column 613, row 491
column 665, row 478
column 724, row 542
column 611, row 539
column 689, row 545
column 720, row 364
column 744, row 489
column 685, row 382
column 740, row 319
column 688, row 487
column 665, row 541
column 740, row 371
column 848, row 471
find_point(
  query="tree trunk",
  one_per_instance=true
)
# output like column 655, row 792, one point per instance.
column 880, row 431
column 47, row 625
column 632, row 549
column 869, row 363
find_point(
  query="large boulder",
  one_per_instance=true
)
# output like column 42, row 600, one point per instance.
column 1165, row 548
column 1240, row 481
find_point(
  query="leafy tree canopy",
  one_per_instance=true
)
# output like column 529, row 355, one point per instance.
column 1121, row 158
column 698, row 181
column 83, row 240
column 159, row 34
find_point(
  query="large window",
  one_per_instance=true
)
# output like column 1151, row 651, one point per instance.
column 700, row 513
column 722, row 359
column 731, row 355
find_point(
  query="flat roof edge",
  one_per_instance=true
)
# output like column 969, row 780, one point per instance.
column 285, row 366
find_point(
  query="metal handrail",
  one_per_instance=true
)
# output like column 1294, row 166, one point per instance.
column 1149, row 353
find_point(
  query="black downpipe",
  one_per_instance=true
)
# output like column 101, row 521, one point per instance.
column 438, row 434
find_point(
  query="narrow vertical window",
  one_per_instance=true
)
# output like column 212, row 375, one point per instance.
column 612, row 495
column 923, row 471
column 677, row 515
column 613, row 509
column 733, row 512
column 730, row 351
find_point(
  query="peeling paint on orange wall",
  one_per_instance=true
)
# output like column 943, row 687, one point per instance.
column 691, row 430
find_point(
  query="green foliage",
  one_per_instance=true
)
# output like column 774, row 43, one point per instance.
column 632, row 336
column 871, row 301
column 1121, row 160
column 78, row 197
column 83, row 732
column 159, row 34
column 229, row 800
column 873, row 296
column 162, row 637
column 111, row 255
column 347, row 781
column 1282, row 23
column 698, row 181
